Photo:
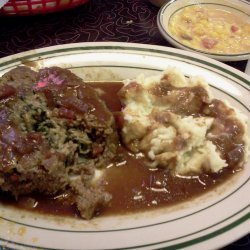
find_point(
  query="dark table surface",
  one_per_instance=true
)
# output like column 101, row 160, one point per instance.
column 98, row 20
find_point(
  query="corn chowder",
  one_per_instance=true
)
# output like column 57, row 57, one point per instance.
column 211, row 29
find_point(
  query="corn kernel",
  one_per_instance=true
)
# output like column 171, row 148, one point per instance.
column 230, row 31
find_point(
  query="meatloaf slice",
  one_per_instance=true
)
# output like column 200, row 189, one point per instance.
column 54, row 132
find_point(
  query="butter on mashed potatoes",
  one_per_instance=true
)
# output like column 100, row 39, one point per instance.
column 177, row 124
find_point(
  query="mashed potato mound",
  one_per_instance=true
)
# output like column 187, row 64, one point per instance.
column 174, row 121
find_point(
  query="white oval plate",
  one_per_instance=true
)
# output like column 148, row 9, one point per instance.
column 210, row 221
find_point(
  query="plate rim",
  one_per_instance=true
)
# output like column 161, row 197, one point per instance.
column 151, row 48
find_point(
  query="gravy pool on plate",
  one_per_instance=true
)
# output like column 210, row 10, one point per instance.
column 131, row 179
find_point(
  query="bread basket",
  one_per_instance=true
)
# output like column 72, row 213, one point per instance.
column 32, row 7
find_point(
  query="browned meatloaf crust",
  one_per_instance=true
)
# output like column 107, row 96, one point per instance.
column 54, row 133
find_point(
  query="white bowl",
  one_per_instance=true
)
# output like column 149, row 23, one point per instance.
column 170, row 8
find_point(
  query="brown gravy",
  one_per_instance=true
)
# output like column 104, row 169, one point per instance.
column 133, row 186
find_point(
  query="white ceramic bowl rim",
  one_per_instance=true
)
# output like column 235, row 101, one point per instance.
column 175, row 42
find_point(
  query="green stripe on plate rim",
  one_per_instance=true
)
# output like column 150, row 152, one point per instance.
column 178, row 245
column 195, row 241
column 124, row 229
column 231, row 97
column 134, row 67
column 198, row 50
column 118, row 47
column 154, row 69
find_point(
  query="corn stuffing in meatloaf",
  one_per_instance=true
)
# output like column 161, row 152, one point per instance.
column 54, row 133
